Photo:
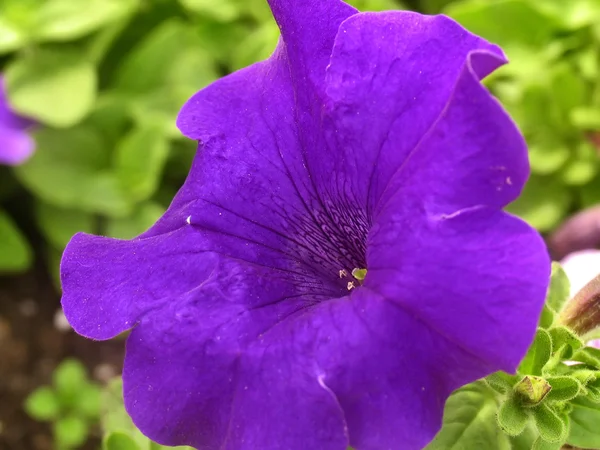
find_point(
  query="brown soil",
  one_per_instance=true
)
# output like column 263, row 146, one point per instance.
column 31, row 346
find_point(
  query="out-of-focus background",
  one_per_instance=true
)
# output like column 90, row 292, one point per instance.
column 103, row 80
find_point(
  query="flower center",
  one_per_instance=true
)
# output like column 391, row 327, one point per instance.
column 355, row 279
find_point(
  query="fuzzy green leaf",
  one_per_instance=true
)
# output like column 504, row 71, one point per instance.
column 537, row 355
column 470, row 421
column 585, row 420
column 540, row 444
column 551, row 426
column 512, row 416
column 502, row 382
column 563, row 388
column 559, row 289
column 563, row 336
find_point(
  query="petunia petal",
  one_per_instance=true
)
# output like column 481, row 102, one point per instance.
column 250, row 180
column 391, row 76
column 438, row 221
column 389, row 371
column 478, row 278
column 16, row 146
column 212, row 362
column 308, row 29
column 109, row 285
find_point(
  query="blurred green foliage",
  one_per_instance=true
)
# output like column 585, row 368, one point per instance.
column 552, row 89
column 72, row 404
column 105, row 79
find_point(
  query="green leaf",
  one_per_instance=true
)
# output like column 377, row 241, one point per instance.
column 525, row 440
column 140, row 158
column 259, row 45
column 117, row 440
column 15, row 253
column 541, row 444
column 547, row 157
column 585, row 118
column 583, row 165
column 551, row 426
column 571, row 14
column 504, row 22
column 564, row 388
column 585, row 417
column 512, row 417
column 16, row 18
column 71, row 170
column 592, row 389
column 88, row 401
column 223, row 10
column 547, row 318
column 42, row 404
column 568, row 87
column 543, row 203
column 559, row 290
column 470, row 421
column 11, row 37
column 563, row 336
column 157, row 97
column 61, row 20
column 69, row 378
column 60, row 224
column 56, row 88
column 501, row 382
column 142, row 218
column 537, row 355
column 589, row 356
column 583, row 375
column 70, row 432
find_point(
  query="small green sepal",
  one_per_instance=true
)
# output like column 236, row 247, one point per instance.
column 501, row 382
column 564, row 388
column 512, row 417
column 551, row 426
column 538, row 354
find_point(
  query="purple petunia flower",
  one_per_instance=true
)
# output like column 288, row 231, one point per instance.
column 15, row 144
column 365, row 142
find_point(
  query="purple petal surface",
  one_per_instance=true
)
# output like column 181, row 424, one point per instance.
column 16, row 145
column 365, row 141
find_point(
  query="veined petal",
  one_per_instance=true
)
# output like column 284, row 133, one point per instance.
column 110, row 285
column 478, row 278
column 308, row 29
column 440, row 246
column 220, row 368
column 391, row 76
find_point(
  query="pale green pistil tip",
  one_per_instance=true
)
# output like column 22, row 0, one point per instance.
column 359, row 274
